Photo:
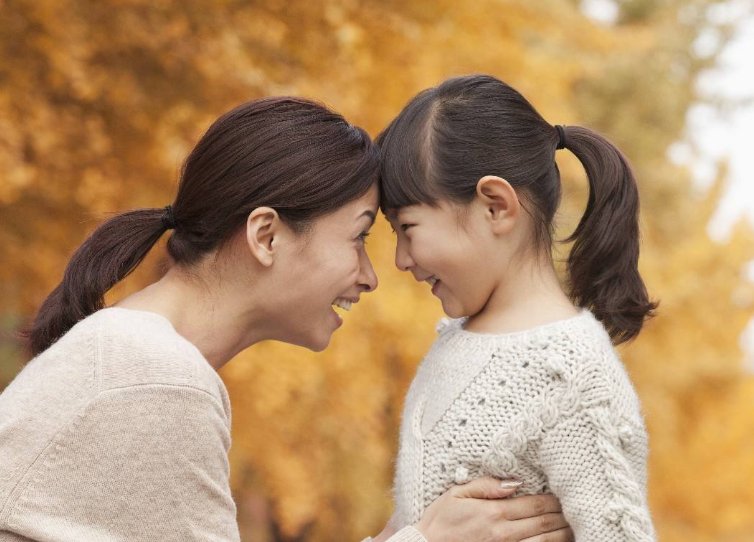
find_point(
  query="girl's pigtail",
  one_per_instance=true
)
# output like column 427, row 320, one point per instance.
column 603, row 264
column 105, row 258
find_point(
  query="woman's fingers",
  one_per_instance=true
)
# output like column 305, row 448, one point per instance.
column 528, row 506
column 529, row 528
column 484, row 510
column 486, row 488
column 561, row 535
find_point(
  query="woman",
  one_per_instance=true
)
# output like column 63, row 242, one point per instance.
column 119, row 428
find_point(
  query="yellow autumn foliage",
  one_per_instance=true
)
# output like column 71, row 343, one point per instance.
column 100, row 102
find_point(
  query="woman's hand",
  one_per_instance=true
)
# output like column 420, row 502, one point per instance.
column 481, row 512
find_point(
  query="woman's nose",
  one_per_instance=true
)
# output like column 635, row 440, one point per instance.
column 367, row 278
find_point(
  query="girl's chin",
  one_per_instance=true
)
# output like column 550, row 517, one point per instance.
column 455, row 310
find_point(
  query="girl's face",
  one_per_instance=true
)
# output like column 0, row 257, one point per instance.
column 327, row 267
column 448, row 247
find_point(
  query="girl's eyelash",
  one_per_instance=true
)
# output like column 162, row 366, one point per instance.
column 402, row 227
column 363, row 236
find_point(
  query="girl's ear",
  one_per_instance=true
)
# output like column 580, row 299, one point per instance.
column 262, row 226
column 500, row 201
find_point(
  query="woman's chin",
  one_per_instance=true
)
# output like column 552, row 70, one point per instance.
column 320, row 346
column 321, row 341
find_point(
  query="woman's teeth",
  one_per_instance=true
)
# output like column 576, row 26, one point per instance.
column 344, row 304
column 431, row 281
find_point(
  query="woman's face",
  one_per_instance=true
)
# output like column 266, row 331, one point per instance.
column 329, row 267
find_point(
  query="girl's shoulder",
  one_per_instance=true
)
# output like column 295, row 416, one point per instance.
column 575, row 349
column 582, row 330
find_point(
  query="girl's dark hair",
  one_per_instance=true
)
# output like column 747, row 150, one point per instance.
column 450, row 136
column 287, row 153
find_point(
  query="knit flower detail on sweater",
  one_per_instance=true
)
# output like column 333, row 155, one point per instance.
column 552, row 406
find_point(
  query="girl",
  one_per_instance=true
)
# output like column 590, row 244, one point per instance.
column 524, row 382
column 119, row 428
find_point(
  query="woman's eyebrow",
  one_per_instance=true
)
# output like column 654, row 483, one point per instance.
column 370, row 215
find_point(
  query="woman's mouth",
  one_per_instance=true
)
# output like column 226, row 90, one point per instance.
column 343, row 303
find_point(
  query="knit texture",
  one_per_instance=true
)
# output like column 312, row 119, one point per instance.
column 118, row 432
column 552, row 406
column 407, row 534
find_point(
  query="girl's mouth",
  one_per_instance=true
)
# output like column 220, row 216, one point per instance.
column 433, row 281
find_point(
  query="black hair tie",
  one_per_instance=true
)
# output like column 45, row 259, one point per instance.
column 168, row 220
column 561, row 137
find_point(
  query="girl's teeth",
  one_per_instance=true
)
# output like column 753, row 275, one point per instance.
column 432, row 281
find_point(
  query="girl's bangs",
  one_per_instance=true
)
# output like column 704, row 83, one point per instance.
column 404, row 158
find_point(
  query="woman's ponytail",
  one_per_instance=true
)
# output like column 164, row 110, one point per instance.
column 603, row 263
column 105, row 258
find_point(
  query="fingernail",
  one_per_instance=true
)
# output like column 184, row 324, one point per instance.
column 510, row 484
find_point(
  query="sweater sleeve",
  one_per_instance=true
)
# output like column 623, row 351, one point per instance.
column 407, row 534
column 139, row 463
column 596, row 468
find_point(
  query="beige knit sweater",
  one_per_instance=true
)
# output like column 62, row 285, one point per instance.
column 118, row 432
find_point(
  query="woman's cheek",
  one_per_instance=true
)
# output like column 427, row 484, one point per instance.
column 355, row 264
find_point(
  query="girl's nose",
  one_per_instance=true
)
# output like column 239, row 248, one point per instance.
column 403, row 260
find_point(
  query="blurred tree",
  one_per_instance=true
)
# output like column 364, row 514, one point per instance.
column 100, row 101
column 688, row 363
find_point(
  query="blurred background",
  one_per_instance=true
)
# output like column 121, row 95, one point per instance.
column 100, row 101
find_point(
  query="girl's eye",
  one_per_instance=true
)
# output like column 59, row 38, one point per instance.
column 402, row 227
column 363, row 237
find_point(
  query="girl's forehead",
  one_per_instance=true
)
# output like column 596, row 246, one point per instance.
column 439, row 206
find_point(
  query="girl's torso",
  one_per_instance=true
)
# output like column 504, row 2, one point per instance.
column 480, row 405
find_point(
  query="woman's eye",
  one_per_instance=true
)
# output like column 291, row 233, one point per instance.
column 363, row 236
column 405, row 227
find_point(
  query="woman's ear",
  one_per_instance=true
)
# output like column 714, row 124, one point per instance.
column 262, row 226
column 500, row 201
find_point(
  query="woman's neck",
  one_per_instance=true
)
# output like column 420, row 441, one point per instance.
column 527, row 296
column 211, row 320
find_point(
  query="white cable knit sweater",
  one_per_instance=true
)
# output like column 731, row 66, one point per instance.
column 552, row 406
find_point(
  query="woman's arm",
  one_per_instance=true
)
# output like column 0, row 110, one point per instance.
column 481, row 511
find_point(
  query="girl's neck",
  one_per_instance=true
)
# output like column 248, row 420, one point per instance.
column 527, row 296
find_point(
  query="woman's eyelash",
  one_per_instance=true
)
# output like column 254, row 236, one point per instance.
column 363, row 236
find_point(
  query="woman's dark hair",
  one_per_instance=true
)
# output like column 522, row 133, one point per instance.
column 287, row 153
column 450, row 136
